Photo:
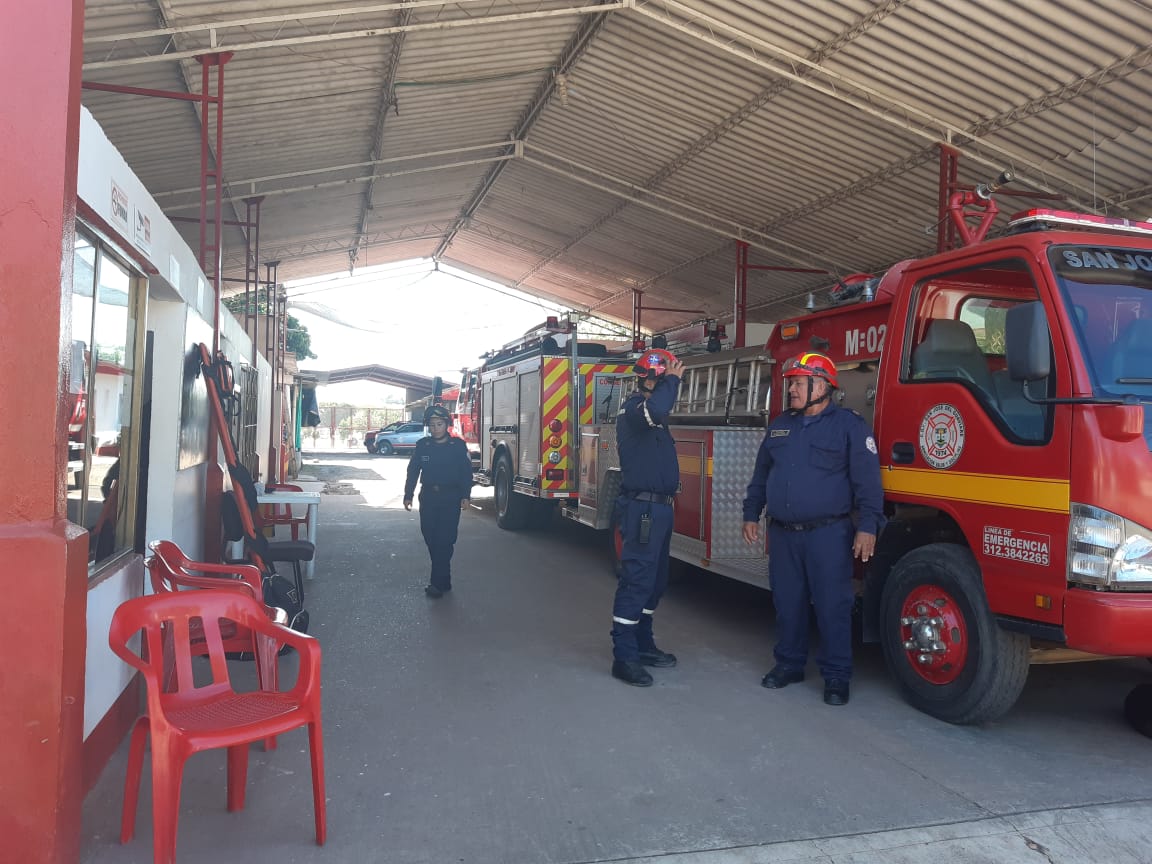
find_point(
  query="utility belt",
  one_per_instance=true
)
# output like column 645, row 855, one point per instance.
column 438, row 489
column 809, row 526
column 654, row 497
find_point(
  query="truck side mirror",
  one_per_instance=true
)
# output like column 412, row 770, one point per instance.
column 1028, row 346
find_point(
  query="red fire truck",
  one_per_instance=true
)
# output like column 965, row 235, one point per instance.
column 1009, row 383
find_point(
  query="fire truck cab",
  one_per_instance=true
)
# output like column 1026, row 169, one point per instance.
column 1009, row 384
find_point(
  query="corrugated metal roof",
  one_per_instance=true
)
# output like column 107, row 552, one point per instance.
column 650, row 132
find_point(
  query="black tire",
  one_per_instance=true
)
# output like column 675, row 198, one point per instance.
column 384, row 448
column 511, row 507
column 978, row 673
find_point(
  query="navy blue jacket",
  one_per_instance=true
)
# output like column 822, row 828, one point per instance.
column 647, row 455
column 446, row 465
column 819, row 470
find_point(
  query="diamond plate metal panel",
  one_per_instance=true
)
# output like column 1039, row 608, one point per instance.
column 733, row 461
column 687, row 549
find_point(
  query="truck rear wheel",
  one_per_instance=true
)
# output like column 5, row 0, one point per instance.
column 511, row 508
column 941, row 643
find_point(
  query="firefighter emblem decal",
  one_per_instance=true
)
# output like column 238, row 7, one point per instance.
column 942, row 436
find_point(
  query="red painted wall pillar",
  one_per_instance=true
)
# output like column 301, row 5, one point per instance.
column 43, row 579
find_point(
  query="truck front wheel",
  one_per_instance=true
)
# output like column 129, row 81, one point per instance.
column 942, row 645
column 511, row 508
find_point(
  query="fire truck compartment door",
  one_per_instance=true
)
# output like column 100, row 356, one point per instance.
column 733, row 462
column 528, row 460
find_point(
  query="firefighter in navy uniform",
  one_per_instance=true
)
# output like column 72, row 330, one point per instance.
column 816, row 465
column 649, row 479
column 442, row 464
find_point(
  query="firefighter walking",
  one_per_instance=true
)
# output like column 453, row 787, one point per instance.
column 444, row 469
column 649, row 479
column 816, row 465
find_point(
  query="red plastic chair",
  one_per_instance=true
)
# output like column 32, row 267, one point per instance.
column 281, row 514
column 190, row 718
column 169, row 570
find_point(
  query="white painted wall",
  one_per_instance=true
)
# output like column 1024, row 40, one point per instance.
column 105, row 674
column 178, row 296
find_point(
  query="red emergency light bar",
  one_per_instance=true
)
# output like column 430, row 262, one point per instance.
column 1040, row 217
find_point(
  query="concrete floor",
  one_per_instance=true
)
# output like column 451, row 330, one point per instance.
column 484, row 727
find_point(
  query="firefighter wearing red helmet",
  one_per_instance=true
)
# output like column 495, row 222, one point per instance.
column 649, row 478
column 442, row 465
column 818, row 473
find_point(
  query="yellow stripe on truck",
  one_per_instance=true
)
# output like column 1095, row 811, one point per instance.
column 1026, row 493
column 691, row 465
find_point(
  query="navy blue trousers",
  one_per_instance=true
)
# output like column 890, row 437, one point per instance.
column 643, row 576
column 813, row 567
column 439, row 523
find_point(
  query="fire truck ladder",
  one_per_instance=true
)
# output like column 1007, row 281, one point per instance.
column 736, row 385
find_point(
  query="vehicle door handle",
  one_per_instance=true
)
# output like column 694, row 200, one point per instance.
column 903, row 453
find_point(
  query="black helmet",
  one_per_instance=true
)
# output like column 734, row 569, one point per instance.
column 437, row 411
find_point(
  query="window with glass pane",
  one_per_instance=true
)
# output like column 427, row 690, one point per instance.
column 103, row 397
column 959, row 336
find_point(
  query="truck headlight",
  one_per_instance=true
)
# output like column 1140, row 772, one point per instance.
column 1107, row 550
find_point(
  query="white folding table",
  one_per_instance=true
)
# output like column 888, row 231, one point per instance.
column 298, row 499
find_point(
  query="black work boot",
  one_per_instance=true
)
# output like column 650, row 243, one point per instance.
column 835, row 691
column 655, row 657
column 631, row 672
column 781, row 677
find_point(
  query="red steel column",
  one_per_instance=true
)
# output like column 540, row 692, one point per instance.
column 740, row 300
column 44, row 578
column 210, row 263
column 946, row 236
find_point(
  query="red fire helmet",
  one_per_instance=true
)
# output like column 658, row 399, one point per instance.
column 653, row 363
column 811, row 365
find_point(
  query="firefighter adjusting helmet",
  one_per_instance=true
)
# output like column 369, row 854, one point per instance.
column 653, row 363
column 811, row 365
column 437, row 411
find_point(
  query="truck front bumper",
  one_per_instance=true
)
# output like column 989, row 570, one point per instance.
column 1108, row 622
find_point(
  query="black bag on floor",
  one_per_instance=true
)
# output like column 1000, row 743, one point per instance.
column 278, row 591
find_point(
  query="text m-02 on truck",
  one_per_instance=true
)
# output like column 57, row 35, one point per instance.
column 1009, row 384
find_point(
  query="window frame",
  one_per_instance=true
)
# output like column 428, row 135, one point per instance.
column 920, row 310
column 129, row 446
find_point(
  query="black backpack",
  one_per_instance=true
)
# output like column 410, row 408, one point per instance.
column 278, row 591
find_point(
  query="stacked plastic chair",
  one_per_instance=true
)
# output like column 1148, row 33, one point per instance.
column 183, row 718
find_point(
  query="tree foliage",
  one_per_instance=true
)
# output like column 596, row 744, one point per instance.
column 299, row 340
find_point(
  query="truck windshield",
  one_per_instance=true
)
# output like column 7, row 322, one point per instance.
column 1109, row 292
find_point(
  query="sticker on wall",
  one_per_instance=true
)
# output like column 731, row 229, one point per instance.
column 942, row 436
column 119, row 206
column 143, row 231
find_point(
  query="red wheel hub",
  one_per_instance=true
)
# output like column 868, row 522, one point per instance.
column 933, row 634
